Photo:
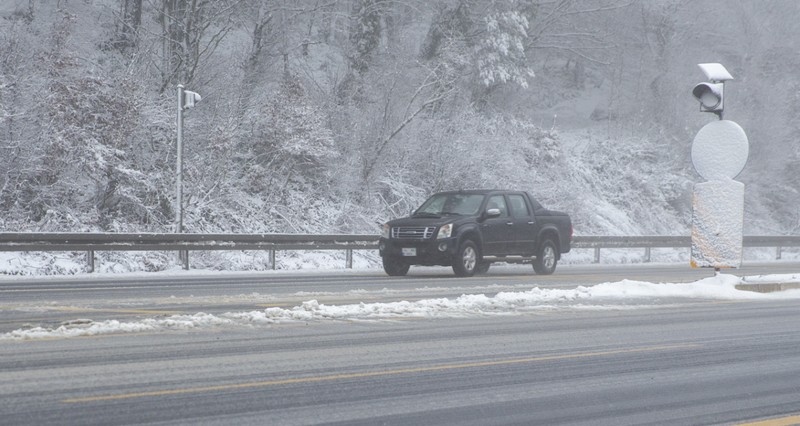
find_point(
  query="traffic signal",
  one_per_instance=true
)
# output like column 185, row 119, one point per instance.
column 711, row 93
column 710, row 96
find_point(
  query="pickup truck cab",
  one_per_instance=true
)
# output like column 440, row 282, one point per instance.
column 469, row 230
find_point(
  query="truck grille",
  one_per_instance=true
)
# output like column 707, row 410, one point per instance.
column 413, row 232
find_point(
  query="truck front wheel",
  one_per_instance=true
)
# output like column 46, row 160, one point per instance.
column 466, row 261
column 395, row 267
column 546, row 258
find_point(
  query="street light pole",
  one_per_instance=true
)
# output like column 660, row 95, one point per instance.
column 186, row 100
column 179, row 166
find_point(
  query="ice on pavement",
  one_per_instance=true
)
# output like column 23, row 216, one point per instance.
column 626, row 294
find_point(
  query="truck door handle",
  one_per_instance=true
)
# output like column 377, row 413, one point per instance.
column 531, row 223
column 509, row 223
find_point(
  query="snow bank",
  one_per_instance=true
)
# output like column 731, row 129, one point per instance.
column 626, row 294
column 91, row 328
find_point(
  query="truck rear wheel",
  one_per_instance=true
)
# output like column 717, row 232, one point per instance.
column 466, row 261
column 546, row 258
column 395, row 267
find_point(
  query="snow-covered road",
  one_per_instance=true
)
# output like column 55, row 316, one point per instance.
column 496, row 297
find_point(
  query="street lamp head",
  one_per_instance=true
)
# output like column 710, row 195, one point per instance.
column 190, row 98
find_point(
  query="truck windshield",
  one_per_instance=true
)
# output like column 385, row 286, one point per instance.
column 457, row 204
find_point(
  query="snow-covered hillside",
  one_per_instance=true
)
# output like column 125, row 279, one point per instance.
column 335, row 117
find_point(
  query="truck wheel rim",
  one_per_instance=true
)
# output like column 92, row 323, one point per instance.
column 469, row 258
column 549, row 257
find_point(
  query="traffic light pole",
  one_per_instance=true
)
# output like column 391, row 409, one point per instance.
column 719, row 154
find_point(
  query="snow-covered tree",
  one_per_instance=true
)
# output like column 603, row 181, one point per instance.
column 365, row 32
column 290, row 142
column 501, row 51
column 191, row 32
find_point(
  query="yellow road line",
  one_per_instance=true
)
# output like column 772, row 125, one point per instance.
column 783, row 421
column 369, row 374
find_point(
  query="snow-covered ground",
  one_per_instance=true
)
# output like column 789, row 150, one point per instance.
column 621, row 295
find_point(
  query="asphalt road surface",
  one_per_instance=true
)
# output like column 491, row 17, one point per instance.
column 693, row 362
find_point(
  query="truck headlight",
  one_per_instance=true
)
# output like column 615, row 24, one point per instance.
column 386, row 230
column 445, row 231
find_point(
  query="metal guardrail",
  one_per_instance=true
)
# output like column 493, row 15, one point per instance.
column 183, row 243
column 661, row 241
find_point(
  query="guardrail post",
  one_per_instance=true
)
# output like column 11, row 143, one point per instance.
column 184, row 256
column 778, row 253
column 272, row 260
column 90, row 259
column 349, row 259
column 647, row 254
column 597, row 255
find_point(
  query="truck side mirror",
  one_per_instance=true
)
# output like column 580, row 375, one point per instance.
column 492, row 212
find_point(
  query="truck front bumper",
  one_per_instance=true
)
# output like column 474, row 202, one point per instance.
column 420, row 252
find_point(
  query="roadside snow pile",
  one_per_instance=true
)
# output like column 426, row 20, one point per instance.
column 624, row 294
column 91, row 328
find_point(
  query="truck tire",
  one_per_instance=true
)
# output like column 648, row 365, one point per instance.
column 394, row 266
column 546, row 258
column 483, row 267
column 466, row 261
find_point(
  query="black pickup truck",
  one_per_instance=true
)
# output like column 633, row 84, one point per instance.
column 469, row 230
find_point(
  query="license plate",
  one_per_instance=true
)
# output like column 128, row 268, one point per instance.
column 409, row 251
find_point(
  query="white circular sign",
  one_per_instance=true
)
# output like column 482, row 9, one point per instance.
column 720, row 150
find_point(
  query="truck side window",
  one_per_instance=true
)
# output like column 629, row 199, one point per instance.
column 519, row 208
column 498, row 202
